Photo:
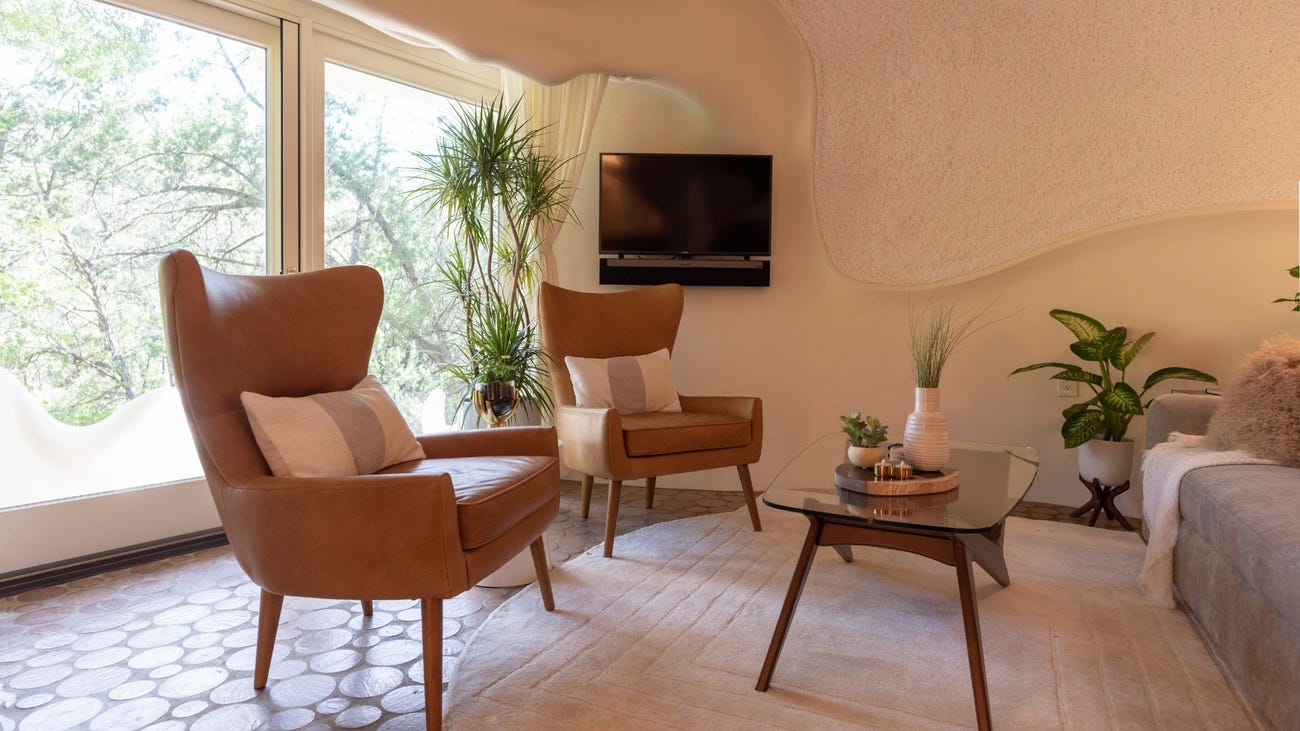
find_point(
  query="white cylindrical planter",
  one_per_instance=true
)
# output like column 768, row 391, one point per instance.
column 1109, row 462
column 925, row 440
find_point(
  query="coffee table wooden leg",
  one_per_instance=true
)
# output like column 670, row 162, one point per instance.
column 845, row 552
column 797, row 582
column 974, row 647
column 985, row 549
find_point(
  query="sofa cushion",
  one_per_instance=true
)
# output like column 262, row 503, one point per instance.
column 686, row 431
column 1251, row 514
column 492, row 493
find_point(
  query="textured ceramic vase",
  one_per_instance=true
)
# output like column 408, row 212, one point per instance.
column 1109, row 462
column 925, row 440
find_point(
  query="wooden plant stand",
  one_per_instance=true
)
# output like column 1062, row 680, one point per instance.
column 1103, row 499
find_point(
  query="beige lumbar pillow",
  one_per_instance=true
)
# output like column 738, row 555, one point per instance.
column 1260, row 413
column 633, row 384
column 338, row 434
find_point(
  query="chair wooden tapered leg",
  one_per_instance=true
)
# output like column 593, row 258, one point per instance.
column 649, row 492
column 431, row 627
column 268, row 620
column 586, row 494
column 611, row 515
column 747, row 485
column 538, row 547
column 368, row 607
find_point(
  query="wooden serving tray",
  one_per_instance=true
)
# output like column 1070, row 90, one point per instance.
column 858, row 479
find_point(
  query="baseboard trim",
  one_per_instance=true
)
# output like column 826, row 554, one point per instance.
column 59, row 572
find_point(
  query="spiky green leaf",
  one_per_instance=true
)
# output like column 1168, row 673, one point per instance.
column 1122, row 398
column 1080, row 427
column 1083, row 327
column 1295, row 271
column 1188, row 374
column 1128, row 351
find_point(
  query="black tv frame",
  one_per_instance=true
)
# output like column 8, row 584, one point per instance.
column 739, row 269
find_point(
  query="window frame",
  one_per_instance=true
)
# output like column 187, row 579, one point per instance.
column 300, row 39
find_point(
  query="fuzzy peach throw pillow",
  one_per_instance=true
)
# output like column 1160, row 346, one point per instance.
column 1260, row 413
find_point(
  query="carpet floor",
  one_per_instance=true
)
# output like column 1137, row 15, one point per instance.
column 672, row 633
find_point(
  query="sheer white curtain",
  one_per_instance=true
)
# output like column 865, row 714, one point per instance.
column 566, row 114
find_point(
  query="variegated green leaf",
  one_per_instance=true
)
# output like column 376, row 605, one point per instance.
column 1083, row 327
column 1128, row 351
column 1080, row 427
column 1189, row 374
column 1075, row 373
column 1073, row 409
column 1101, row 348
column 1122, row 398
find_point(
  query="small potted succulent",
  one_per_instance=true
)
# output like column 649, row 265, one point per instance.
column 865, row 439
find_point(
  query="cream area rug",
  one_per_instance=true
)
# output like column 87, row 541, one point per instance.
column 672, row 632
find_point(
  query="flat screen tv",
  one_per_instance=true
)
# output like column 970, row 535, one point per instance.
column 685, row 205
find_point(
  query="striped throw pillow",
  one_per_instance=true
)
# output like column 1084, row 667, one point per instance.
column 633, row 384
column 356, row 432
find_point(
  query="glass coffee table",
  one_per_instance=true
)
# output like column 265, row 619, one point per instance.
column 960, row 527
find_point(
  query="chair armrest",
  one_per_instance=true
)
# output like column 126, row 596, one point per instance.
column 365, row 537
column 744, row 406
column 593, row 440
column 749, row 407
column 502, row 441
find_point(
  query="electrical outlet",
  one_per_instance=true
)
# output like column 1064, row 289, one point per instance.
column 1067, row 389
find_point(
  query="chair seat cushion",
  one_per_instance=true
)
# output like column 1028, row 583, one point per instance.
column 493, row 494
column 686, row 431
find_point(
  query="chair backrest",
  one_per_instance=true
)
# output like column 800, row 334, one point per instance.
column 605, row 325
column 291, row 335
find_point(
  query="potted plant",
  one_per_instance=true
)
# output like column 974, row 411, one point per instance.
column 865, row 437
column 495, row 191
column 1097, row 426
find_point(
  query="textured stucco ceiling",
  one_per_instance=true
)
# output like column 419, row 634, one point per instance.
column 956, row 137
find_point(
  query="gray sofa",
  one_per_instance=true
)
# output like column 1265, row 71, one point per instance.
column 1237, row 563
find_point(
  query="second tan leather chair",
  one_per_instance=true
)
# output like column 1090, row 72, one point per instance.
column 709, row 432
column 426, row 529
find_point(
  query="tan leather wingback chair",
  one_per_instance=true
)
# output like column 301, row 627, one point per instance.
column 426, row 529
column 710, row 431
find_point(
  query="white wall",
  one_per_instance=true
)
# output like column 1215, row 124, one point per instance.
column 817, row 344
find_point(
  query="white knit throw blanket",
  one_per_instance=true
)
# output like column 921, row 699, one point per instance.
column 1163, row 467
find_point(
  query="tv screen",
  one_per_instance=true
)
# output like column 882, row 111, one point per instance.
column 693, row 205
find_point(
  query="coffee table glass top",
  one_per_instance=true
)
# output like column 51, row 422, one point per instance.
column 993, row 479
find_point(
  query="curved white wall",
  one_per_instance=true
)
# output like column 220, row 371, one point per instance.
column 819, row 343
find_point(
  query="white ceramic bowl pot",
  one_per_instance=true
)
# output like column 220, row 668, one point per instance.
column 866, row 457
column 1109, row 462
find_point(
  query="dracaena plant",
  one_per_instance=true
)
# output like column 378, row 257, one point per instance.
column 496, row 192
column 1114, row 402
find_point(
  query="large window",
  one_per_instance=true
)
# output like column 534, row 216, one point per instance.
column 122, row 136
column 372, row 126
